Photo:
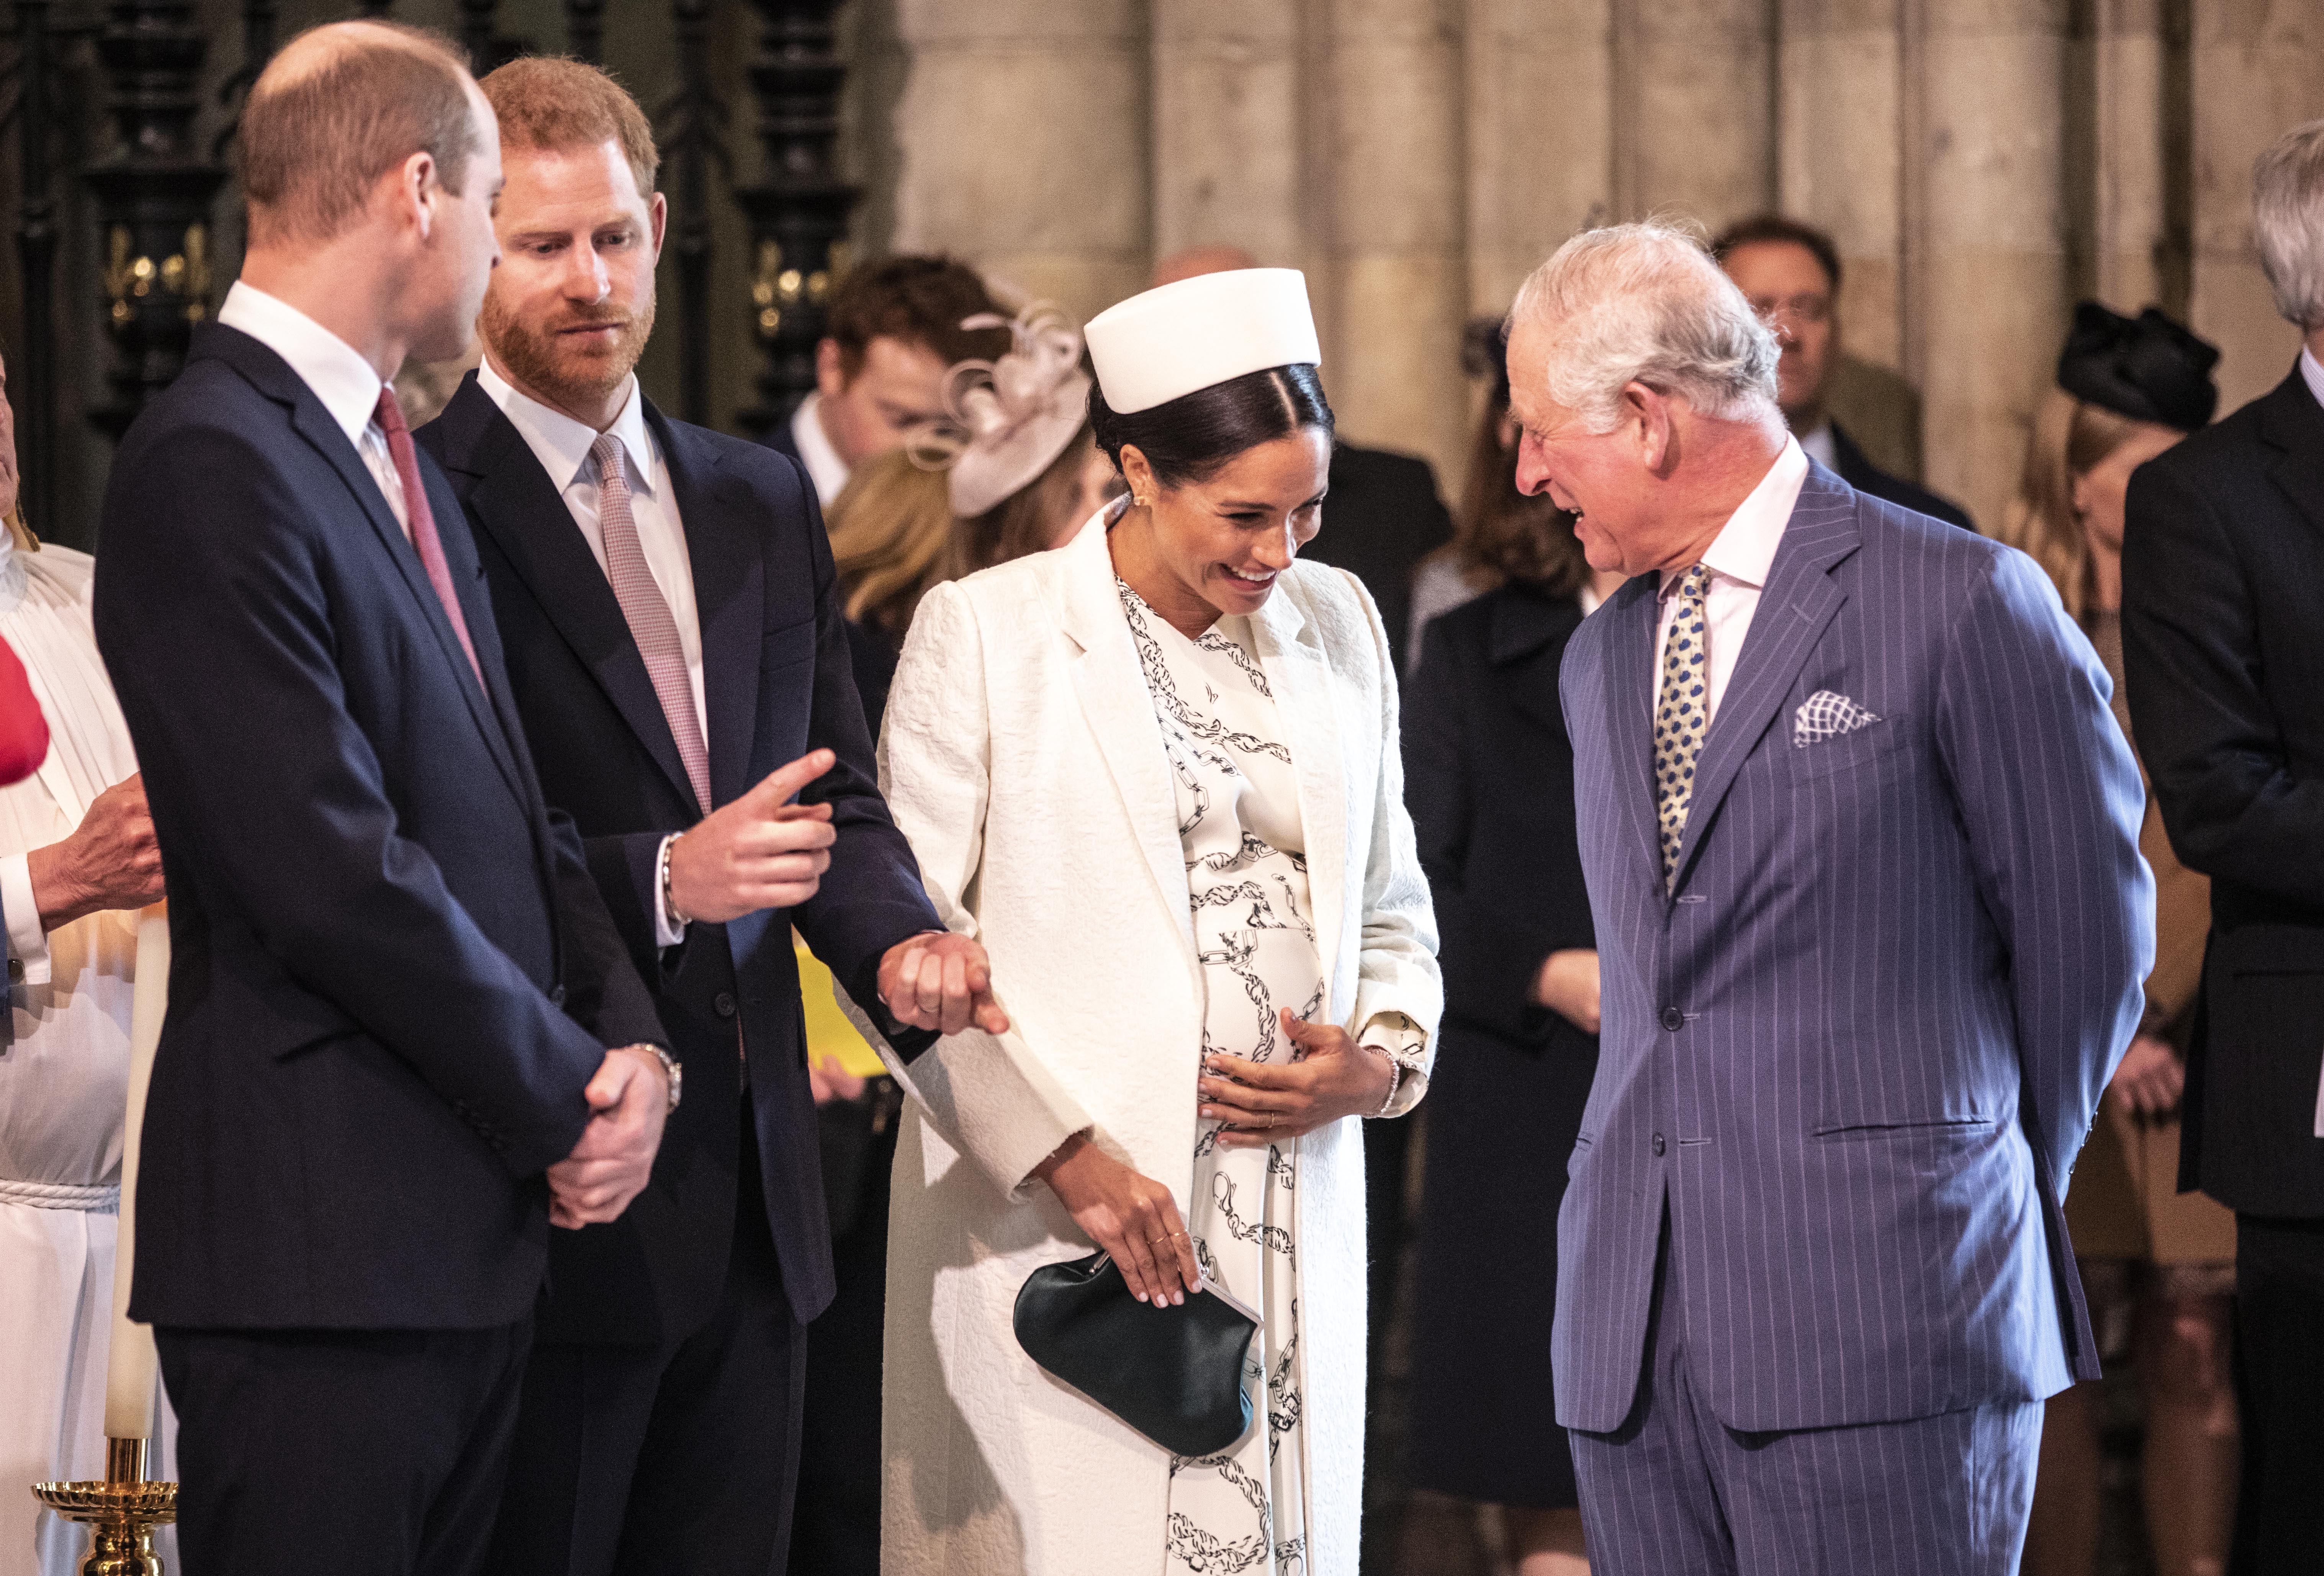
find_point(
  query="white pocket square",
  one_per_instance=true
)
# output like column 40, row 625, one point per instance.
column 1827, row 716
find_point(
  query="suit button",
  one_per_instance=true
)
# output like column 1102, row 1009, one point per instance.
column 556, row 995
column 1658, row 1143
column 1673, row 1019
column 724, row 1005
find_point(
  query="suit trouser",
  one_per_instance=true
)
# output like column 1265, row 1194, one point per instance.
column 2280, row 1382
column 365, row 1452
column 676, row 1458
column 1675, row 1491
column 835, row 1530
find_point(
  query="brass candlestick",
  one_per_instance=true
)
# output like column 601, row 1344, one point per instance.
column 123, row 1510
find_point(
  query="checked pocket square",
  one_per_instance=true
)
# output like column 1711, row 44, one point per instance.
column 1827, row 716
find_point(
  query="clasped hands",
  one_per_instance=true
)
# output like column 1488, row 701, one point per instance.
column 629, row 1101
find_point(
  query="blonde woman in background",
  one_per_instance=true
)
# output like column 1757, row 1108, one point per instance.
column 2162, row 1260
column 1013, row 471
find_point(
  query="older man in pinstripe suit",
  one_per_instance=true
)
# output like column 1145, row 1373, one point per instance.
column 1862, row 842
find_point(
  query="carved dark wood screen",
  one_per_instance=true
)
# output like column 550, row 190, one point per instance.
column 152, row 186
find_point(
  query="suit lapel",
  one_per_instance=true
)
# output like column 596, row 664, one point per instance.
column 515, row 500
column 314, row 424
column 723, row 546
column 1629, row 712
column 477, row 610
column 1798, row 602
column 1306, row 708
column 2294, row 423
column 1114, row 701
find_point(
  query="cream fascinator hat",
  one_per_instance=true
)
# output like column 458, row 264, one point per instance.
column 1168, row 341
column 1011, row 418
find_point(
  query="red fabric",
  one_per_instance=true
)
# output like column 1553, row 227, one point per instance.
column 422, row 521
column 23, row 730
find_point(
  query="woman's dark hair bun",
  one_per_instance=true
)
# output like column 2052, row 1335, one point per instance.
column 1191, row 438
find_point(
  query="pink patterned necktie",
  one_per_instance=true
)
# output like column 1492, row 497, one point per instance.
column 650, row 624
column 420, row 521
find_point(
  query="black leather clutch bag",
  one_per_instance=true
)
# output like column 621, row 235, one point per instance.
column 1174, row 1374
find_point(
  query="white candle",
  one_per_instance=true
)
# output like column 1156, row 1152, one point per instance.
column 130, row 1367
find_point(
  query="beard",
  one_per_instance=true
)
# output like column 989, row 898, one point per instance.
column 538, row 357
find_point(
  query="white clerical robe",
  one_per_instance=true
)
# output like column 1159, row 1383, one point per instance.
column 64, row 1075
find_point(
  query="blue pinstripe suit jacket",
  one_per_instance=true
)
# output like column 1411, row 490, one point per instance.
column 1858, row 1048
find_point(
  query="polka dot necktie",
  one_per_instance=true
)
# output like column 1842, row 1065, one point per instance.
column 1681, row 714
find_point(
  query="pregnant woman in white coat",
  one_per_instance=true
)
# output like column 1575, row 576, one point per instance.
column 1156, row 772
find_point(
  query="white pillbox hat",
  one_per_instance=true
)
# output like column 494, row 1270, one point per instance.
column 1170, row 341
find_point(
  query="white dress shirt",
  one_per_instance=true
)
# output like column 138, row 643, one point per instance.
column 347, row 385
column 562, row 446
column 825, row 468
column 2311, row 372
column 1738, row 560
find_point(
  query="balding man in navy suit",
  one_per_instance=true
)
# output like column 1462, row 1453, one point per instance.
column 385, row 1069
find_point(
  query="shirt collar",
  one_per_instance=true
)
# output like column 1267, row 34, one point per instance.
column 825, row 468
column 2311, row 372
column 1744, row 550
column 347, row 385
column 562, row 444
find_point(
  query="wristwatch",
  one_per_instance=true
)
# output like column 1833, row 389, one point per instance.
column 670, row 1065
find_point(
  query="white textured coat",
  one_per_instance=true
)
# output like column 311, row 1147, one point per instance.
column 1022, row 758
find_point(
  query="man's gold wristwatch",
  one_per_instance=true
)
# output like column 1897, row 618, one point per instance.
column 670, row 1065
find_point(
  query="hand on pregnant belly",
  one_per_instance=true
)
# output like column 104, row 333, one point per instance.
column 1264, row 1103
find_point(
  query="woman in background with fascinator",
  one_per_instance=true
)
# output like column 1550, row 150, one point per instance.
column 1011, row 472
column 1156, row 772
column 2156, row 1260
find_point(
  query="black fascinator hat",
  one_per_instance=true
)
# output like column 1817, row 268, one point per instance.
column 2148, row 368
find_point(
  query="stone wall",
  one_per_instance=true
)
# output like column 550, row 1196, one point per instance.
column 1983, row 163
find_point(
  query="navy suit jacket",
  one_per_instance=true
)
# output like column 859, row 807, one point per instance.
column 776, row 684
column 365, row 1068
column 1856, row 1051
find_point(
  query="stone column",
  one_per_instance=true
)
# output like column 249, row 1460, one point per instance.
column 1991, row 280
column 1540, row 78
column 2256, row 78
column 1840, row 158
column 1693, row 108
column 1398, row 278
column 1022, row 143
column 1231, row 157
column 1839, row 131
column 2127, row 154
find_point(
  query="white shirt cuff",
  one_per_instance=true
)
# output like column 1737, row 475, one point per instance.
column 668, row 930
column 28, row 944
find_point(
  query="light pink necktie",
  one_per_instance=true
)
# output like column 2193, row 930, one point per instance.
column 650, row 624
column 420, row 521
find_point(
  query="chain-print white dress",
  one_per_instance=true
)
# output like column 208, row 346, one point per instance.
column 1243, row 1509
